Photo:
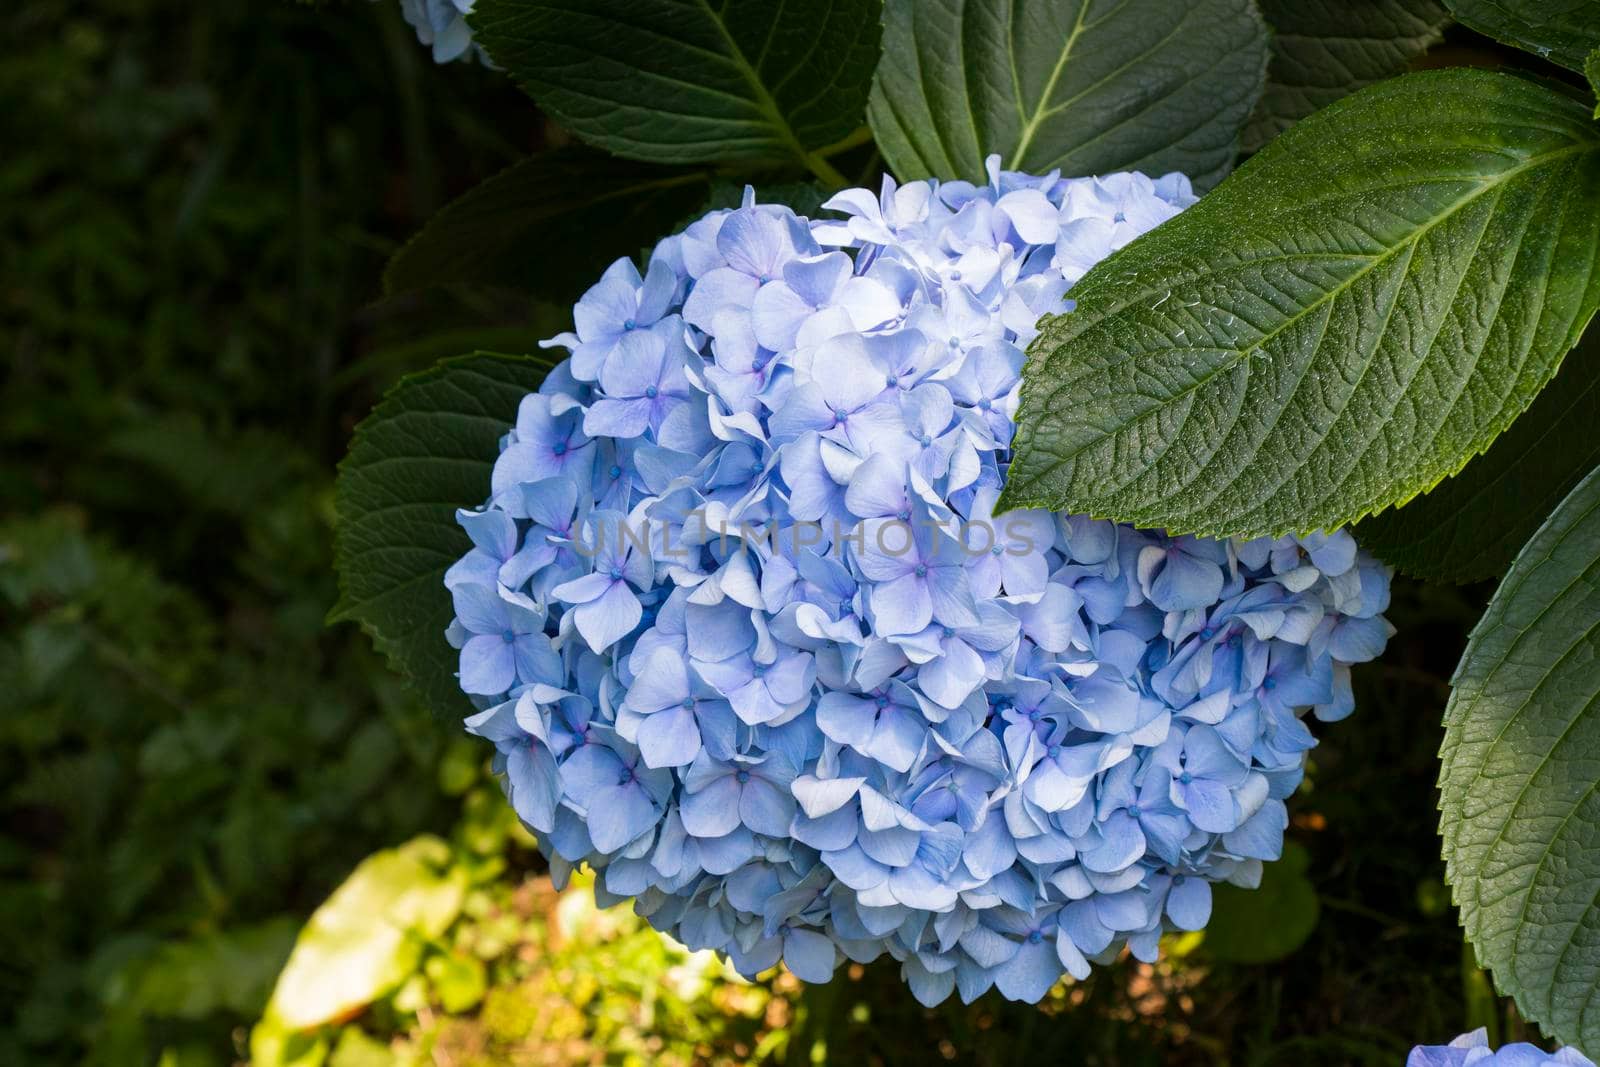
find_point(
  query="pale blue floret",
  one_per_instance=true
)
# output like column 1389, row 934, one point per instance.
column 749, row 639
column 442, row 26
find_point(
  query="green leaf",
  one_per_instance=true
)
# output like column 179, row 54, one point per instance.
column 549, row 224
column 367, row 938
column 1562, row 31
column 688, row 81
column 1472, row 525
column 1268, row 923
column 1347, row 320
column 1519, row 788
column 459, row 980
column 1591, row 70
column 1325, row 49
column 425, row 451
column 1083, row 85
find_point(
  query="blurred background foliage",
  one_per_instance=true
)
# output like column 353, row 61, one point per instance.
column 196, row 204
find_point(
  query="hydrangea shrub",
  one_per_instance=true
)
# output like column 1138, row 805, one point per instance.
column 752, row 642
column 1334, row 332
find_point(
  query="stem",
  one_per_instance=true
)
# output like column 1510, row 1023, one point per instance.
column 825, row 171
column 855, row 138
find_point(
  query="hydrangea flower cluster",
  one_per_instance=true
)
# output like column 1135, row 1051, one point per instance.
column 1472, row 1050
column 752, row 642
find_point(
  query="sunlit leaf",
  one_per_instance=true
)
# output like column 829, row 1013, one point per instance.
column 1347, row 320
column 367, row 938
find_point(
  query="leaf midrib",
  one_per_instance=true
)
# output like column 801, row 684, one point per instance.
column 765, row 103
column 1056, row 109
column 1238, row 355
column 1031, row 126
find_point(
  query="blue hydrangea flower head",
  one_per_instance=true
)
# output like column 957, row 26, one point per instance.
column 1472, row 1050
column 750, row 640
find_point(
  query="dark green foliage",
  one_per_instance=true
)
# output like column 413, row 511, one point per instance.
column 1520, row 808
column 1088, row 86
column 1470, row 527
column 1562, row 31
column 688, row 81
column 550, row 224
column 195, row 204
column 427, row 450
column 1325, row 49
column 1360, row 309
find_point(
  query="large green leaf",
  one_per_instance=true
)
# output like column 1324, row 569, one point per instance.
column 367, row 938
column 1347, row 320
column 1089, row 86
column 691, row 81
column 425, row 451
column 1591, row 70
column 1520, row 784
column 1325, row 49
column 1562, row 31
column 1471, row 526
column 549, row 224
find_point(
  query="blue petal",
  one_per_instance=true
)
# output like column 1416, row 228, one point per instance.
column 765, row 808
column 618, row 814
column 670, row 738
column 712, row 811
column 809, row 955
column 1189, row 903
column 480, row 609
column 488, row 666
column 535, row 786
column 608, row 619
column 1029, row 974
